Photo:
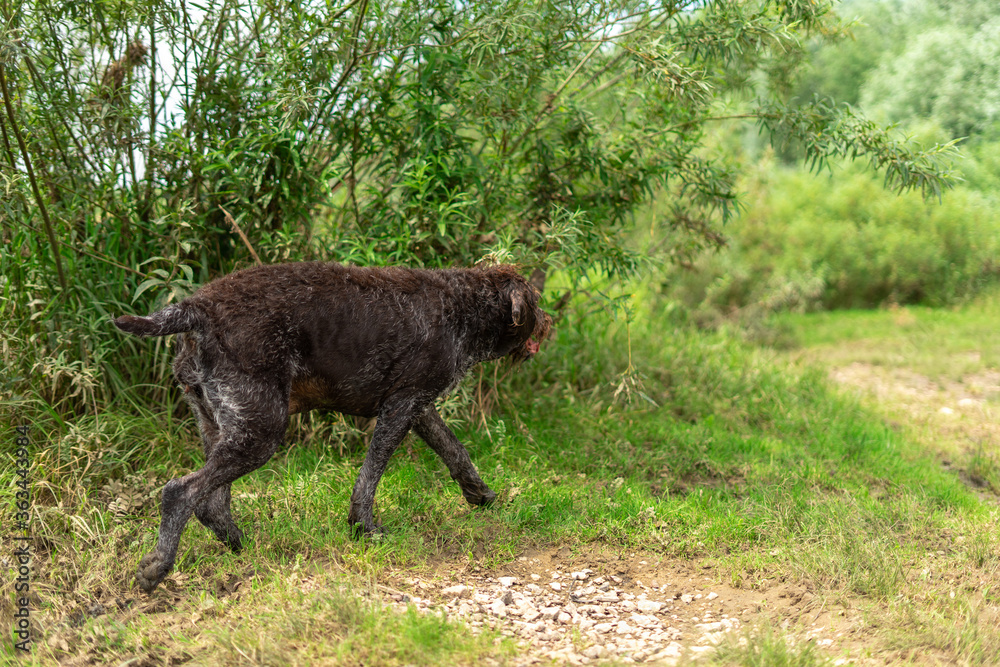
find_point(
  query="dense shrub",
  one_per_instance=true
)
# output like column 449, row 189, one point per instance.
column 814, row 241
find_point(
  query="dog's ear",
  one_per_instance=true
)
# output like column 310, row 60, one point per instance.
column 518, row 306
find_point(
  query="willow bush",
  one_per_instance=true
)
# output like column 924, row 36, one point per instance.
column 138, row 135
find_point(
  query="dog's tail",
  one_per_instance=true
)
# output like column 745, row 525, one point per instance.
column 173, row 319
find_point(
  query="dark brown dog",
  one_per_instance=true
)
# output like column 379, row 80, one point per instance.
column 263, row 343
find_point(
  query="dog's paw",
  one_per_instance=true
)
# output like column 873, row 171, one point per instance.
column 482, row 498
column 232, row 537
column 152, row 570
column 235, row 543
column 371, row 529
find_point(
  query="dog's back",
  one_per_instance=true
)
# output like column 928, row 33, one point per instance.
column 343, row 337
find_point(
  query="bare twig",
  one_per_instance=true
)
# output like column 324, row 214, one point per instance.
column 551, row 102
column 349, row 67
column 93, row 254
column 6, row 143
column 243, row 236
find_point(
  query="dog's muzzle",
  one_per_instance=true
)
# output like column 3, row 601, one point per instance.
column 531, row 345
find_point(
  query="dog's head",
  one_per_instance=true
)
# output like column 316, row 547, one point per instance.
column 528, row 325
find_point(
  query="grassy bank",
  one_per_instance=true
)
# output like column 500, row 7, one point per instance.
column 753, row 468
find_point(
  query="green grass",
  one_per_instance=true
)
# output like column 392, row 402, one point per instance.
column 766, row 646
column 755, row 467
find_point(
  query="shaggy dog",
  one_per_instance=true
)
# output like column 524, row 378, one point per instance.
column 261, row 344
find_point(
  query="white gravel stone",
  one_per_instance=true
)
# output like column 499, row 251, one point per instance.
column 507, row 582
column 498, row 608
column 644, row 621
column 457, row 591
column 649, row 606
column 672, row 651
column 555, row 585
column 712, row 596
column 549, row 613
column 624, row 628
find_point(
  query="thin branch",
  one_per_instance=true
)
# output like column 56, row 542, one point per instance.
column 243, row 236
column 550, row 104
column 48, row 121
column 147, row 203
column 31, row 177
column 6, row 143
column 349, row 68
column 93, row 254
column 707, row 119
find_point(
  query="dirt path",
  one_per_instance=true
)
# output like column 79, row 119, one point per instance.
column 596, row 604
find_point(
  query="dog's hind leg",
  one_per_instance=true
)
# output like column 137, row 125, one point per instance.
column 432, row 429
column 252, row 424
column 214, row 512
column 394, row 422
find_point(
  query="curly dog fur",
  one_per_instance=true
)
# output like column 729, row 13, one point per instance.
column 261, row 344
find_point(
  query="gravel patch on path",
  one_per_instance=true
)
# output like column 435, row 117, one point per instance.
column 625, row 608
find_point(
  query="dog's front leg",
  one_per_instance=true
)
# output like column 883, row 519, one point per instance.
column 432, row 429
column 394, row 421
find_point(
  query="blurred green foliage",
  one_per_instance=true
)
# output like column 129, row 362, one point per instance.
column 833, row 238
column 915, row 61
column 821, row 241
